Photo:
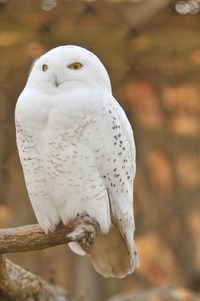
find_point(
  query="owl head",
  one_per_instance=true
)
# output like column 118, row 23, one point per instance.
column 67, row 67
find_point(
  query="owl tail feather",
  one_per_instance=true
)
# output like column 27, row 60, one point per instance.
column 111, row 256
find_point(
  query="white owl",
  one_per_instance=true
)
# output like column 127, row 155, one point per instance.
column 78, row 155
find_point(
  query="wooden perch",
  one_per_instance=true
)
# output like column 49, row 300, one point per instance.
column 17, row 284
column 32, row 237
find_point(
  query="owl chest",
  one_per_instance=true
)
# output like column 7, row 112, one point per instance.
column 62, row 151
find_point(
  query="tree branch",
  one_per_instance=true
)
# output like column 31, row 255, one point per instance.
column 17, row 284
column 32, row 237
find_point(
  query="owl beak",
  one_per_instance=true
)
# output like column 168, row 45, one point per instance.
column 56, row 82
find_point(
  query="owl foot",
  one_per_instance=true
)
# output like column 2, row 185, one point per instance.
column 84, row 231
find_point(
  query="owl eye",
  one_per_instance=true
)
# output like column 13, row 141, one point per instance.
column 75, row 66
column 44, row 67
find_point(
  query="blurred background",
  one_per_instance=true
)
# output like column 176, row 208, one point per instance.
column 151, row 49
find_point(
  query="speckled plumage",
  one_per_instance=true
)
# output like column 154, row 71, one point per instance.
column 77, row 152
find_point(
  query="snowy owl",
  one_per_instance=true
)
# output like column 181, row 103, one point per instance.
column 77, row 151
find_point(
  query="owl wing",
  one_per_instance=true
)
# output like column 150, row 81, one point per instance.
column 114, row 254
column 125, row 155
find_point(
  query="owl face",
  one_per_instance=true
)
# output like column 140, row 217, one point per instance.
column 67, row 67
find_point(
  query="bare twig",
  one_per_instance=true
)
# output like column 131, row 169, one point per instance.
column 32, row 237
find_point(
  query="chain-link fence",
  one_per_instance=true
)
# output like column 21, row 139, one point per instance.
column 152, row 52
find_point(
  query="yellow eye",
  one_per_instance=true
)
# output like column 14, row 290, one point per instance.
column 44, row 67
column 75, row 66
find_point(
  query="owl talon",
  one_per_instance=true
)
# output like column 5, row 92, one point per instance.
column 88, row 239
column 82, row 234
column 85, row 230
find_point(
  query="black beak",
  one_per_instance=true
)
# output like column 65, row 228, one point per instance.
column 56, row 82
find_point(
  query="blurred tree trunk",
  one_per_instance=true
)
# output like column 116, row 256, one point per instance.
column 158, row 294
column 17, row 284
